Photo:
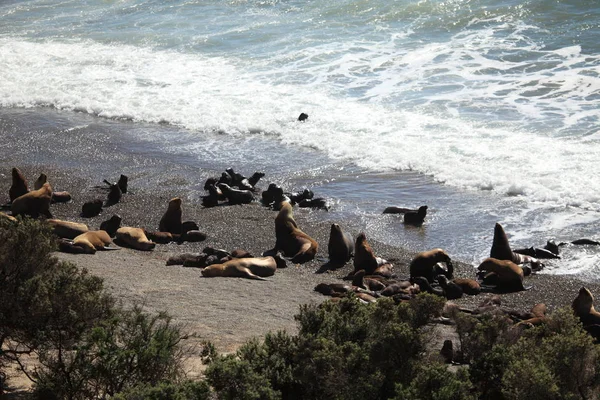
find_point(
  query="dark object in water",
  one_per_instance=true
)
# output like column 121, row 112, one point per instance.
column 303, row 117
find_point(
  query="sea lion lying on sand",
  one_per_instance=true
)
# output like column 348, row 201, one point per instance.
column 251, row 268
column 134, row 238
column 67, row 229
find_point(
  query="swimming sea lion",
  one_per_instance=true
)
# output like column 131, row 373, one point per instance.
column 67, row 229
column 536, row 252
column 399, row 210
column 34, row 203
column 303, row 117
column 290, row 240
column 19, row 184
column 425, row 264
column 586, row 241
column 91, row 208
column 111, row 225
column 416, row 218
column 235, row 196
column 251, row 268
column 93, row 240
column 171, row 220
column 501, row 249
column 319, row 202
column 509, row 276
column 134, row 238
column 40, row 181
column 340, row 246
column 583, row 306
column 364, row 257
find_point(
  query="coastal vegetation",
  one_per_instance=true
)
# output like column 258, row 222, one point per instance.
column 75, row 341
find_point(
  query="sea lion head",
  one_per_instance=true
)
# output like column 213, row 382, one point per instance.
column 175, row 203
column 422, row 212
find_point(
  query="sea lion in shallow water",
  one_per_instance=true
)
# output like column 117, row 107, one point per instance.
column 340, row 246
column 134, row 238
column 416, row 218
column 290, row 240
column 425, row 264
column 250, row 268
column 19, row 184
column 501, row 249
column 509, row 276
column 171, row 219
column 34, row 203
column 236, row 196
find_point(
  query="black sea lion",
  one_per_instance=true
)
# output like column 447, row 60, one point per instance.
column 43, row 178
column 364, row 257
column 91, row 208
column 114, row 195
column 61, row 197
column 509, row 276
column 122, row 183
column 19, row 184
column 134, row 238
column 340, row 246
column 171, row 220
column 425, row 264
column 501, row 249
column 161, row 237
column 451, row 290
column 303, row 117
column 235, row 196
column 212, row 199
column 536, row 252
column 111, row 225
column 67, row 229
column 34, row 203
column 416, row 218
column 290, row 240
column 251, row 268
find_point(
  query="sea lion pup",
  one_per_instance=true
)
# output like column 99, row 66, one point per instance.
column 122, row 183
column 212, row 199
column 361, row 281
column 426, row 264
column 302, row 117
column 93, row 240
column 61, row 197
column 19, row 185
column 161, row 237
column 91, row 208
column 451, row 290
column 425, row 286
column 340, row 246
column 253, row 180
column 501, row 249
column 509, row 276
column 43, row 178
column 468, row 286
column 583, row 307
column 402, row 287
column 537, row 253
column 319, row 202
column 180, row 259
column 236, row 196
column 364, row 257
column 67, row 229
column 34, row 203
column 251, row 268
column 114, row 195
column 134, row 238
column 297, row 197
column 290, row 240
column 111, row 225
column 171, row 220
column 333, row 289
column 416, row 218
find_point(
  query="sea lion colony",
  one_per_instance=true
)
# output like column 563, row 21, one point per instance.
column 373, row 277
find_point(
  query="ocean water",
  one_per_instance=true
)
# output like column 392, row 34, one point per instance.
column 486, row 111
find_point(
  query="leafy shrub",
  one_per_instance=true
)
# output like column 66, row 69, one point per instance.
column 184, row 391
column 436, row 382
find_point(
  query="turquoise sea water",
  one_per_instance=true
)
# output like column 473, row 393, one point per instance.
column 487, row 111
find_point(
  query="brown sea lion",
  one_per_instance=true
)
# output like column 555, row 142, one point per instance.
column 340, row 246
column 402, row 287
column 161, row 237
column 501, row 249
column 333, row 289
column 93, row 240
column 468, row 286
column 19, row 184
column 290, row 240
column 364, row 257
column 91, row 208
column 43, row 178
column 171, row 220
column 425, row 286
column 111, row 225
column 426, row 264
column 8, row 217
column 364, row 282
column 67, row 229
column 34, row 203
column 583, row 307
column 251, row 268
column 193, row 236
column 61, row 197
column 236, row 196
column 180, row 259
column 241, row 253
column 134, row 238
column 509, row 276
column 537, row 316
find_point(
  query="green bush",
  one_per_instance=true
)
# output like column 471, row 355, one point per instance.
column 436, row 382
column 183, row 391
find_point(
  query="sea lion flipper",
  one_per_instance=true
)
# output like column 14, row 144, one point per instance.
column 110, row 248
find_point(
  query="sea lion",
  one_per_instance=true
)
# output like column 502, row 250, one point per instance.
column 468, row 286
column 212, row 199
column 586, row 241
column 451, row 290
column 399, row 210
column 501, row 249
column 253, row 180
column 340, row 246
column 67, row 229
column 241, row 253
column 360, row 280
column 161, row 237
column 364, row 257
column 61, row 197
column 290, row 240
column 43, row 178
column 537, row 316
column 509, row 276
column 447, row 351
column 426, row 264
column 193, row 236
column 552, row 247
column 19, row 184
column 583, row 307
column 302, row 117
column 171, row 220
column 180, row 259
column 319, row 202
column 305, row 194
column 134, row 238
column 34, row 203
column 537, row 253
column 425, row 286
column 333, row 289
column 7, row 217
column 273, row 193
column 415, row 218
column 93, row 240
column 402, row 287
column 251, row 268
column 114, row 195
column 91, row 208
column 122, row 183
column 111, row 225
column 236, row 196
